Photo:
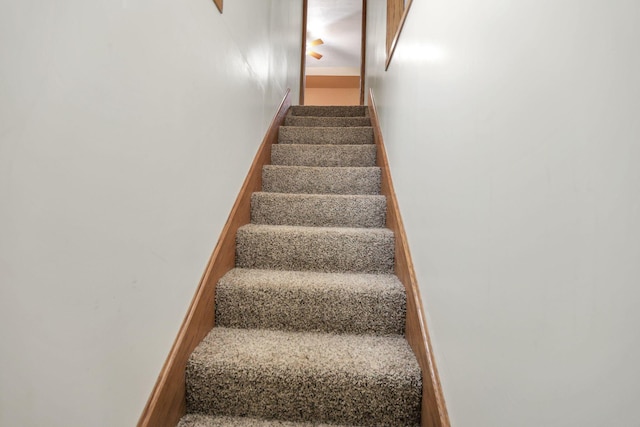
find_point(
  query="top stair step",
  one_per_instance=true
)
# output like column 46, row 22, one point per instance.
column 329, row 111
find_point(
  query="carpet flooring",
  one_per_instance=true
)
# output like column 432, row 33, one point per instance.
column 309, row 325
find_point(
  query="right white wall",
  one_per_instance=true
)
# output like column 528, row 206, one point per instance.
column 513, row 134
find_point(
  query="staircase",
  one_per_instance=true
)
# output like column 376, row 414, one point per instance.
column 309, row 325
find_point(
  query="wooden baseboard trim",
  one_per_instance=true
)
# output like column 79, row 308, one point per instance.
column 434, row 410
column 166, row 404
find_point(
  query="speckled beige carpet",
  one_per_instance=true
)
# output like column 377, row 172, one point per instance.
column 309, row 324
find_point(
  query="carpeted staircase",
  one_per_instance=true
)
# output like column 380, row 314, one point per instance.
column 309, row 325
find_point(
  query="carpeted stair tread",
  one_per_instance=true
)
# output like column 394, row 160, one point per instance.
column 202, row 420
column 310, row 301
column 325, row 249
column 292, row 120
column 309, row 325
column 329, row 110
column 314, row 377
column 323, row 155
column 320, row 210
column 321, row 180
column 325, row 135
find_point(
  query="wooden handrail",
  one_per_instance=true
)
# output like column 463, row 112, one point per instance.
column 166, row 404
column 434, row 410
column 397, row 11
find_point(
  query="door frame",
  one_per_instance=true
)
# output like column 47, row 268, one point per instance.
column 303, row 50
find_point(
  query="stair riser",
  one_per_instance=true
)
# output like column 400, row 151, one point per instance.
column 318, row 210
column 325, row 135
column 326, row 121
column 310, row 309
column 333, row 251
column 321, row 180
column 329, row 111
column 301, row 396
column 323, row 155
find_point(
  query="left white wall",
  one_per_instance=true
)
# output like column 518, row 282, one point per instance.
column 126, row 129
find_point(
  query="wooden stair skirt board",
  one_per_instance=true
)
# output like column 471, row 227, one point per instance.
column 167, row 403
column 434, row 410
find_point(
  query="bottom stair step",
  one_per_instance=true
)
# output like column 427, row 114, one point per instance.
column 200, row 420
column 310, row 377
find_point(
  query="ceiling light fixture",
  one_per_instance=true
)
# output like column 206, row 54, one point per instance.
column 316, row 42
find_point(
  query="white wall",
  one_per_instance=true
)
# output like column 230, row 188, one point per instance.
column 514, row 142
column 126, row 129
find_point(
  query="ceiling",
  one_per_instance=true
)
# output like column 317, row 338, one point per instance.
column 338, row 23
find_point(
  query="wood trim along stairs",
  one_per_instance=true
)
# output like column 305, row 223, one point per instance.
column 166, row 405
column 434, row 410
